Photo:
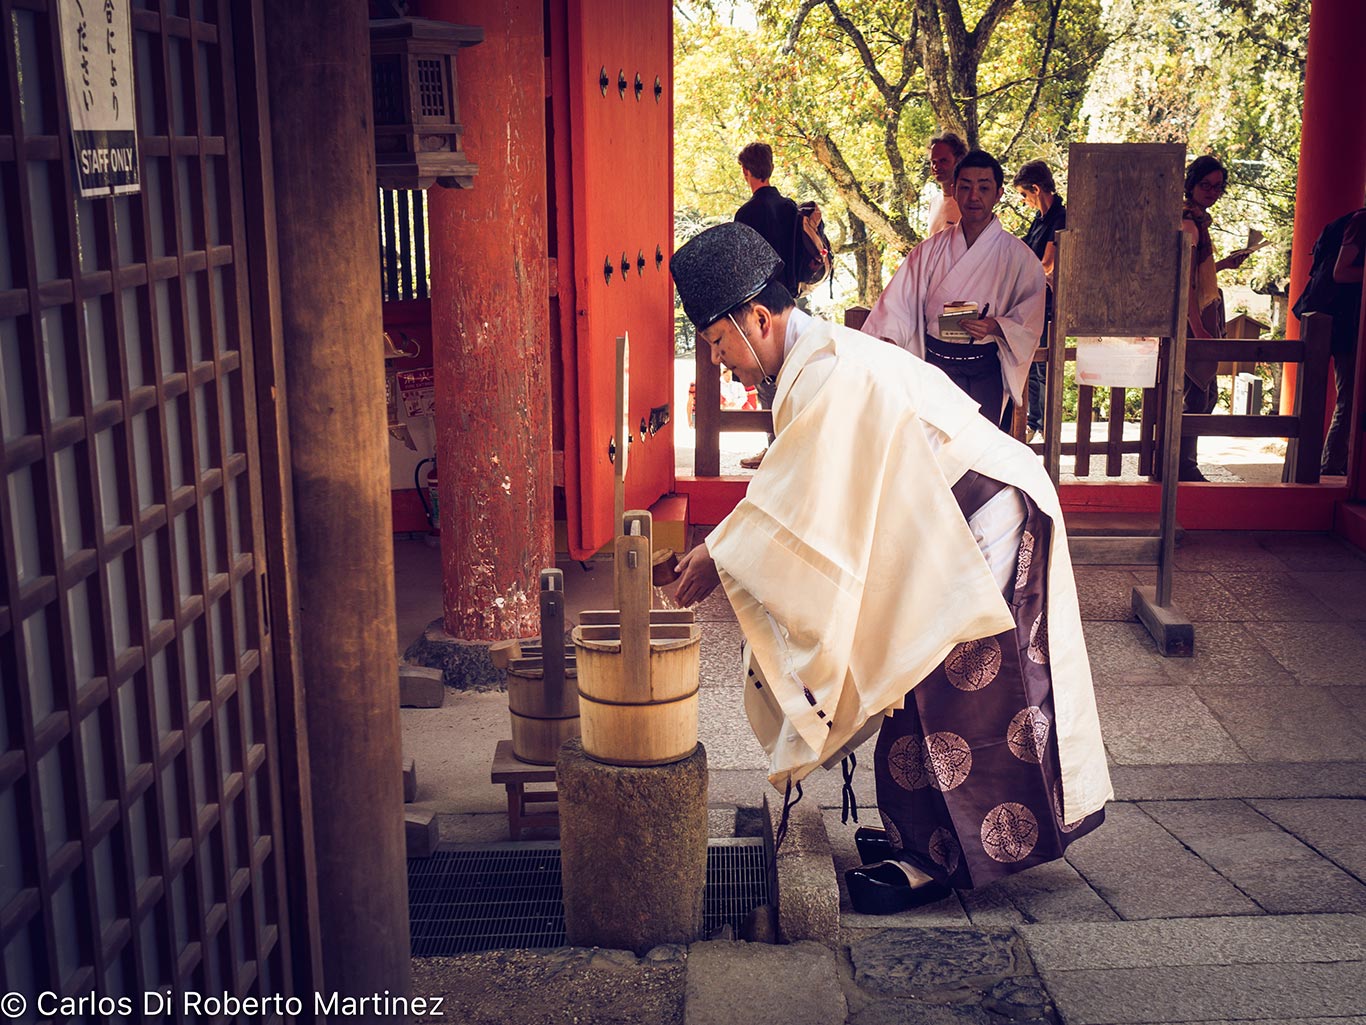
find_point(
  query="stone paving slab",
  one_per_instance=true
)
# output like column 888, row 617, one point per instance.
column 1226, row 552
column 1275, row 597
column 1123, row 654
column 1317, row 653
column 1286, row 725
column 1173, row 943
column 1256, row 855
column 1227, row 654
column 1206, row 993
column 1161, row 725
column 1345, row 592
column 1202, row 599
column 1353, row 700
column 720, row 656
column 912, row 963
column 1315, row 553
column 796, row 984
column 1142, row 871
column 1261, row 780
column 1054, row 892
column 1106, row 593
column 723, row 728
column 1334, row 828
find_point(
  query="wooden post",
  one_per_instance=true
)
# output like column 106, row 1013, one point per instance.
column 491, row 332
column 1310, row 398
column 707, row 443
column 1057, row 360
column 324, row 192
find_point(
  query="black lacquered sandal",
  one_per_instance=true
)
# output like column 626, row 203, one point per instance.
column 873, row 844
column 885, row 888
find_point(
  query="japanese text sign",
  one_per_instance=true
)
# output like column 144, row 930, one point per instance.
column 97, row 59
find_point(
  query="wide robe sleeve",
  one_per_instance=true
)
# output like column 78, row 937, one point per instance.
column 849, row 565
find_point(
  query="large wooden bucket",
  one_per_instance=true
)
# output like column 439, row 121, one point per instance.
column 630, row 716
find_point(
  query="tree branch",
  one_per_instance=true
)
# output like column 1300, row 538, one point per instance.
column 1038, row 84
column 790, row 43
column 896, row 232
column 861, row 45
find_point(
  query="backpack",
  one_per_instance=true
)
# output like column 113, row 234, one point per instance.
column 811, row 249
column 1321, row 291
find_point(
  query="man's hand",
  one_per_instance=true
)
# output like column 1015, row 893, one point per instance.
column 983, row 328
column 697, row 576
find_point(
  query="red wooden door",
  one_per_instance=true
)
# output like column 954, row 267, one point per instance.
column 612, row 137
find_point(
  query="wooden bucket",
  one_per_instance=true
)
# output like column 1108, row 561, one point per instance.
column 633, row 717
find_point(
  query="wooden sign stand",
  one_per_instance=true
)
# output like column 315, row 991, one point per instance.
column 1123, row 270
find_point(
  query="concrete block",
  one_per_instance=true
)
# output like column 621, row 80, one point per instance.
column 1053, row 892
column 421, row 687
column 808, row 893
column 762, row 985
column 409, row 781
column 1336, row 829
column 633, row 850
column 1273, row 725
column 421, row 832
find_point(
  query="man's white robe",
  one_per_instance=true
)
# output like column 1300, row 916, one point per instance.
column 853, row 572
column 997, row 268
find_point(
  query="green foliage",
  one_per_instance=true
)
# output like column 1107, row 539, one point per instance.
column 1223, row 77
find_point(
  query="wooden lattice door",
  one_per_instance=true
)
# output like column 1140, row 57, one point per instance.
column 141, row 843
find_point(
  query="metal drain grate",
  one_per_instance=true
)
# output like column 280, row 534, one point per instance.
column 508, row 896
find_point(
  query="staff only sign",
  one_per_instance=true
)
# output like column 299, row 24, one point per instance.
column 97, row 58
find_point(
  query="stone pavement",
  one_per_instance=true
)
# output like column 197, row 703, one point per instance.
column 1228, row 883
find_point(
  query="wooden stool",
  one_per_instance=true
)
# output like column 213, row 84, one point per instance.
column 514, row 774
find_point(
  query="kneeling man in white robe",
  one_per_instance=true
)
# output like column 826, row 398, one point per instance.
column 974, row 261
column 897, row 562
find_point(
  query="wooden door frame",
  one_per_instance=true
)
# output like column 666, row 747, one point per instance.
column 277, row 491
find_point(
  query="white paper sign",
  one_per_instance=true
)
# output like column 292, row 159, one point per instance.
column 1117, row 362
column 97, row 58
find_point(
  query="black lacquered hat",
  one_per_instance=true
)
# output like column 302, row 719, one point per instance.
column 721, row 268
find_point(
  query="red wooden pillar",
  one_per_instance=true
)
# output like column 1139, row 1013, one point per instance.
column 491, row 331
column 1332, row 171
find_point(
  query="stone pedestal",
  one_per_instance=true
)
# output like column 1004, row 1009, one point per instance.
column 633, row 850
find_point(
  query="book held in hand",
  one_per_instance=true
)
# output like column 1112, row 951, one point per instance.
column 951, row 321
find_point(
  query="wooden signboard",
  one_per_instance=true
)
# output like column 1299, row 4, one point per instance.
column 1123, row 204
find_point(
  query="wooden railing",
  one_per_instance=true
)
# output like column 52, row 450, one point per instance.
column 1304, row 428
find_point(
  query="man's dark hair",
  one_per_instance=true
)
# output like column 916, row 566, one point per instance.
column 981, row 158
column 1035, row 172
column 774, row 296
column 757, row 159
column 953, row 141
column 1200, row 168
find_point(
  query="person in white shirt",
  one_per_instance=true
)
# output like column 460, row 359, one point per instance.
column 975, row 261
column 945, row 152
column 897, row 565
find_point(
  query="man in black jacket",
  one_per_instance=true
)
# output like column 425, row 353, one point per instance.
column 773, row 216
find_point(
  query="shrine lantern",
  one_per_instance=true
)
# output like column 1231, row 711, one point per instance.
column 417, row 107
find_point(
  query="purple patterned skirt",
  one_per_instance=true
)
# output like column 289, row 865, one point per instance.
column 967, row 774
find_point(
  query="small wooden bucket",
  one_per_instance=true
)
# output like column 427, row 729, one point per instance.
column 631, row 716
column 543, row 715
